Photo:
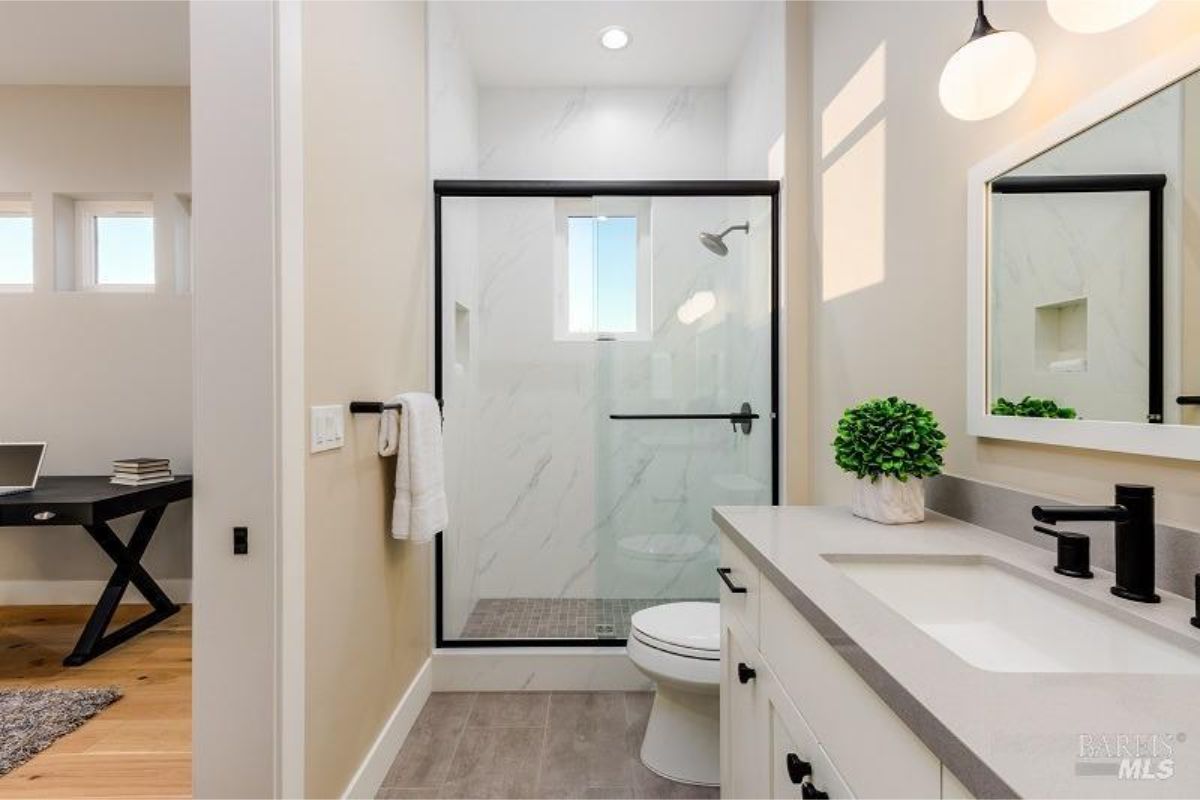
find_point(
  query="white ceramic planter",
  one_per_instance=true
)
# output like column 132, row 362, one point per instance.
column 888, row 500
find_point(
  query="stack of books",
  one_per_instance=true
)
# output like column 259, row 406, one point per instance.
column 141, row 471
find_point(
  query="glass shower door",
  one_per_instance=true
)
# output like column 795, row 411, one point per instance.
column 685, row 407
column 607, row 374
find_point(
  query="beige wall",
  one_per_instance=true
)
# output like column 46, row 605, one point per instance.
column 366, row 320
column 96, row 375
column 887, row 313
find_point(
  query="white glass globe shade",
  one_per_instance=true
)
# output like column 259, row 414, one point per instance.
column 987, row 75
column 1096, row 16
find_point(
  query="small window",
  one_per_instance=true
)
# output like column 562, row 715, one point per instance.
column 16, row 244
column 116, row 244
column 603, row 270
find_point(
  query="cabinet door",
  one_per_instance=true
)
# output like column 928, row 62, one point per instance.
column 744, row 725
column 800, row 767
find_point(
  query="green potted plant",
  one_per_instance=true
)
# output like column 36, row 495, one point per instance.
column 890, row 446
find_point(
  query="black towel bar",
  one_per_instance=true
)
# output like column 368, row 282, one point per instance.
column 375, row 407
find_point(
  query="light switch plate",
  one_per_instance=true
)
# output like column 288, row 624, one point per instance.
column 326, row 428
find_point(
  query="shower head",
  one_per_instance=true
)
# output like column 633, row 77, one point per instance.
column 716, row 241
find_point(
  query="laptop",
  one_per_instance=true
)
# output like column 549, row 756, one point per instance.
column 20, row 465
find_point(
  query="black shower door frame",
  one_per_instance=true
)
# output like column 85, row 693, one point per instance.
column 501, row 188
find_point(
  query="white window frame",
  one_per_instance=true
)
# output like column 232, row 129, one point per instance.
column 86, row 212
column 20, row 208
column 637, row 207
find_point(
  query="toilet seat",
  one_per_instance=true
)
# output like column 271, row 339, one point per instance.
column 691, row 630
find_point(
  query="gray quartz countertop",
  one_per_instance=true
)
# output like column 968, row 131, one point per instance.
column 1001, row 733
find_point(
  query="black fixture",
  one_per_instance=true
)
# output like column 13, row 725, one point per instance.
column 443, row 189
column 742, row 417
column 1152, row 184
column 800, row 772
column 1133, row 515
column 746, row 673
column 1196, row 594
column 724, row 573
column 1188, row 400
column 241, row 540
column 1074, row 552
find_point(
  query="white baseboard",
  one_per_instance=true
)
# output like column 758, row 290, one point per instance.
column 369, row 777
column 536, row 669
column 81, row 593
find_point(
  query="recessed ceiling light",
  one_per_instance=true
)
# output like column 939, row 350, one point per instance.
column 614, row 37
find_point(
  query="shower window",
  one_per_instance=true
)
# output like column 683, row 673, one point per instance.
column 602, row 269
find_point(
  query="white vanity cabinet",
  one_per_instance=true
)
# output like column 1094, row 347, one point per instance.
column 796, row 719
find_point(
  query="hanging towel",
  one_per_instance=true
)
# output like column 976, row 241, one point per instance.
column 414, row 435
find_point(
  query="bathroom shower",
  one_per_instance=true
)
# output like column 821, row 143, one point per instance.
column 716, row 241
column 591, row 366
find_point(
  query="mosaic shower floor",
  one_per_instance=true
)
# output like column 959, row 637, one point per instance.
column 554, row 617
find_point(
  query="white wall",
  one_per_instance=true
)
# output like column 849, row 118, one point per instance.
column 96, row 375
column 888, row 314
column 755, row 100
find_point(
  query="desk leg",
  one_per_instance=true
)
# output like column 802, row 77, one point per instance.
column 94, row 641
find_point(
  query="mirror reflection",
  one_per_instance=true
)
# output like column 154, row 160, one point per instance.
column 1094, row 271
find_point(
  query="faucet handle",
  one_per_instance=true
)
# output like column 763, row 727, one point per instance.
column 1074, row 552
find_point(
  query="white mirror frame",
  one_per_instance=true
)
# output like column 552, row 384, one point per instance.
column 1169, row 441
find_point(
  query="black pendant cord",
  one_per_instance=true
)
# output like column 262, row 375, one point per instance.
column 982, row 26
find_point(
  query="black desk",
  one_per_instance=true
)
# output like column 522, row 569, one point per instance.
column 91, row 501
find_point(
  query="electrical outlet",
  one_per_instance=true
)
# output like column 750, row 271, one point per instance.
column 326, row 428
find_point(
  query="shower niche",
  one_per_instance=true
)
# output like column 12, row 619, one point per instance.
column 595, row 345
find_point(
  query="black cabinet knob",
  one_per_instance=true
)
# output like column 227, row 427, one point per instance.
column 746, row 673
column 810, row 792
column 798, row 769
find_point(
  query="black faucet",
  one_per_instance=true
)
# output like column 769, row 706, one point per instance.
column 1133, row 513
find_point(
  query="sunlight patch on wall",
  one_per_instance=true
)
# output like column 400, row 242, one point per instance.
column 861, row 95
column 852, row 216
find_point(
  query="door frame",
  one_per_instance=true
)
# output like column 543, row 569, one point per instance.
column 532, row 188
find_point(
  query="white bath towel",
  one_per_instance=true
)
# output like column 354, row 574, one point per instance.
column 414, row 436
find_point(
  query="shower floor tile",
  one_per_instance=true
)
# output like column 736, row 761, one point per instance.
column 554, row 618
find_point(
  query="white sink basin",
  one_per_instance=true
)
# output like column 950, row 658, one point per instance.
column 998, row 618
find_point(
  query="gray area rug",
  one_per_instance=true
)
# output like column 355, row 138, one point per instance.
column 32, row 719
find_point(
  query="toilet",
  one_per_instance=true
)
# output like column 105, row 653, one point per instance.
column 678, row 646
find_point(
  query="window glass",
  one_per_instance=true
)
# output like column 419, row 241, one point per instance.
column 124, row 250
column 16, row 249
column 602, row 274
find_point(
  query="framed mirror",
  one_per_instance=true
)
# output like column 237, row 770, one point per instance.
column 1084, row 284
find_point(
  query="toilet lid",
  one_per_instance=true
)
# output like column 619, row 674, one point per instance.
column 684, row 628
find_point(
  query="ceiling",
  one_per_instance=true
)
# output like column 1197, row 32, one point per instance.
column 556, row 43
column 94, row 43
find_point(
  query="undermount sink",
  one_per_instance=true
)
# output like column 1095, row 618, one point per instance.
column 998, row 618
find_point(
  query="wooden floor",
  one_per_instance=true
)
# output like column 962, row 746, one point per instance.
column 141, row 745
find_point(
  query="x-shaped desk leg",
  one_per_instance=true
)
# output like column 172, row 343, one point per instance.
column 94, row 641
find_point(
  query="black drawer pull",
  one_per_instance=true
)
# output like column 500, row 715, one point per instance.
column 746, row 673
column 798, row 769
column 724, row 573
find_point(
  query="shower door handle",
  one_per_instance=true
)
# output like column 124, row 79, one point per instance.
column 742, row 416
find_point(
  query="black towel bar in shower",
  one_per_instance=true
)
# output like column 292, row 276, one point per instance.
column 743, row 416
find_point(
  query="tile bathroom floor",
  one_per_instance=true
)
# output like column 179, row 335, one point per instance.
column 554, row 617
column 530, row 745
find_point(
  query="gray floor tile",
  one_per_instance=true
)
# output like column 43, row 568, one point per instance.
column 586, row 744
column 509, row 709
column 495, row 763
column 398, row 793
column 424, row 760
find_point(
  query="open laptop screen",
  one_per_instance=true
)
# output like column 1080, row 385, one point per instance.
column 19, row 464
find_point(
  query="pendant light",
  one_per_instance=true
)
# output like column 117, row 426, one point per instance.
column 1096, row 16
column 987, row 74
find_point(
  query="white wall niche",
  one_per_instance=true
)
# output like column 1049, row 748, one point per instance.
column 1061, row 336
